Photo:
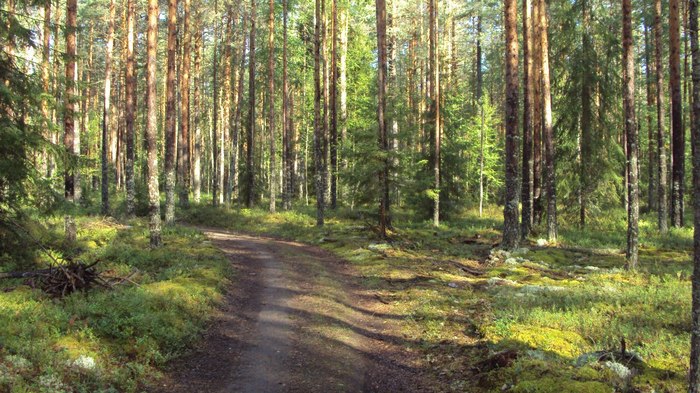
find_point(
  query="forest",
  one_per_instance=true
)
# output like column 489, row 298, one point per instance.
column 349, row 196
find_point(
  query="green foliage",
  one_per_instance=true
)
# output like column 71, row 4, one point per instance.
column 112, row 340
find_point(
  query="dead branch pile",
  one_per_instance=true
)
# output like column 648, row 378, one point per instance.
column 63, row 279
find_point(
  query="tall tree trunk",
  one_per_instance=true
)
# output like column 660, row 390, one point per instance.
column 660, row 115
column 184, row 147
column 318, row 129
column 434, row 107
column 130, row 108
column 586, row 115
column 678, row 171
column 537, row 116
column 227, row 99
column 343, row 85
column 46, row 84
column 510, row 210
column 651, row 156
column 198, row 114
column 384, row 205
column 215, row 115
column 106, row 110
column 334, row 105
column 695, row 130
column 250, row 140
column 152, row 125
column 631, row 131
column 170, row 114
column 69, row 99
column 234, row 171
column 288, row 157
column 271, row 114
column 480, row 103
column 526, row 215
column 547, row 130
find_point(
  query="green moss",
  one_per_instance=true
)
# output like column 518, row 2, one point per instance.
column 560, row 385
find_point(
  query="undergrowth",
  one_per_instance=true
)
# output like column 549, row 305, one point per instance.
column 109, row 340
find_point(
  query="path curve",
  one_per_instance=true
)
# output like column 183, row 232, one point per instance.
column 294, row 321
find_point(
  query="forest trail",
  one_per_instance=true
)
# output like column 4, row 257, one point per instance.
column 294, row 321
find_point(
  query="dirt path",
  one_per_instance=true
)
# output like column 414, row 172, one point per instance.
column 294, row 321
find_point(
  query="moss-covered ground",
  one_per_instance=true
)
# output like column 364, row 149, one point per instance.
column 108, row 340
column 548, row 304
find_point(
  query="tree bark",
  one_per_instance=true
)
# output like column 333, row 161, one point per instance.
column 106, row 109
column 651, row 156
column 198, row 114
column 250, row 141
column 288, row 157
column 152, row 125
column 170, row 114
column 215, row 175
column 69, row 100
column 130, row 108
column 660, row 115
column 678, row 161
column 526, row 187
column 537, row 116
column 631, row 132
column 318, row 129
column 333, row 103
column 695, row 129
column 184, row 146
column 510, row 210
column 547, row 131
column 384, row 206
column 271, row 114
column 234, row 169
column 434, row 107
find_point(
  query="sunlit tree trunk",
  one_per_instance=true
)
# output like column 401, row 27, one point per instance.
column 526, row 185
column 547, row 130
column 662, row 164
column 184, row 146
column 106, row 109
column 69, row 100
column 271, row 114
column 234, row 168
column 384, row 206
column 198, row 116
column 651, row 150
column 694, row 385
column 152, row 125
column 510, row 210
column 250, row 140
column 537, row 116
column 631, row 131
column 170, row 114
column 288, row 157
column 678, row 161
column 318, row 128
column 434, row 107
column 333, row 103
column 130, row 108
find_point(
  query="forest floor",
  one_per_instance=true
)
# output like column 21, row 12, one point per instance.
column 270, row 302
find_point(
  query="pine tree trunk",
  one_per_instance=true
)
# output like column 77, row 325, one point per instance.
column 46, row 84
column 695, row 129
column 69, row 100
column 343, row 87
column 318, row 128
column 334, row 105
column 198, row 114
column 662, row 165
column 678, row 166
column 170, row 114
column 271, row 114
column 381, row 108
column 250, row 140
column 434, row 107
column 537, row 116
column 234, row 170
column 526, row 185
column 215, row 175
column 184, row 147
column 586, row 116
column 547, row 130
column 106, row 110
column 288, row 157
column 651, row 156
column 631, row 132
column 510, row 210
column 130, row 108
column 152, row 125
